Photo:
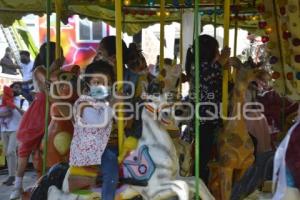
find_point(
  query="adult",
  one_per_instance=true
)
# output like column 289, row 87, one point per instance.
column 32, row 125
column 9, row 128
column 26, row 69
column 7, row 63
column 134, row 67
column 26, row 66
column 258, row 128
column 211, row 63
column 275, row 105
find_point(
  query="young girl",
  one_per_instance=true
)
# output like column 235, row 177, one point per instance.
column 211, row 63
column 93, row 123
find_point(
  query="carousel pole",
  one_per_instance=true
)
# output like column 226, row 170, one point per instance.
column 225, row 69
column 58, row 10
column 162, row 34
column 181, row 53
column 197, row 95
column 181, row 38
column 215, row 19
column 236, row 26
column 119, row 59
column 48, row 11
column 282, row 62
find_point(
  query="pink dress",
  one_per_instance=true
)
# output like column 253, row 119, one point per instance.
column 92, row 129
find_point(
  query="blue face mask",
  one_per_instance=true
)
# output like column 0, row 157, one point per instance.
column 100, row 91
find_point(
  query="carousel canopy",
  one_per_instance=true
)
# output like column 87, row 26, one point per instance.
column 137, row 14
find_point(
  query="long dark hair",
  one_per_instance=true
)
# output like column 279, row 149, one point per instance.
column 207, row 51
column 132, row 55
column 109, row 44
column 208, row 48
column 41, row 58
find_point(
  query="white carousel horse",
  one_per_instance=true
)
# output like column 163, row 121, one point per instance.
column 165, row 181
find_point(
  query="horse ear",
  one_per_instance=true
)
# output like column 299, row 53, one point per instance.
column 75, row 69
column 144, row 90
column 144, row 87
column 155, row 86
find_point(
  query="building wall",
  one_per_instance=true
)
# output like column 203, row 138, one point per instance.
column 151, row 41
column 3, row 45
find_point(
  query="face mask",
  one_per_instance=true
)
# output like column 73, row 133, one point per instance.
column 100, row 91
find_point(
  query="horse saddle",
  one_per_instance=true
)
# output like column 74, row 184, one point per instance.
column 137, row 169
column 139, row 165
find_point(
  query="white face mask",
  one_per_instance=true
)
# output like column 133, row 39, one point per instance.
column 100, row 91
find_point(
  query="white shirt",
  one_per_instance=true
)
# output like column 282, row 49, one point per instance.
column 13, row 123
column 27, row 70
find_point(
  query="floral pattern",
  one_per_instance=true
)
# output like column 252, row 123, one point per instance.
column 210, row 89
column 88, row 143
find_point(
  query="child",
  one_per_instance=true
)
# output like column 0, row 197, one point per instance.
column 92, row 128
column 211, row 63
column 12, row 101
column 6, row 106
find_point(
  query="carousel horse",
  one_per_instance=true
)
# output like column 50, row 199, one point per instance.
column 153, row 169
column 185, row 143
column 184, row 154
column 235, row 153
column 63, row 94
column 170, row 75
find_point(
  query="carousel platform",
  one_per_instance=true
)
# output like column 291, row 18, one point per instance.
column 29, row 179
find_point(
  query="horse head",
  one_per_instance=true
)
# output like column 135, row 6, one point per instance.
column 246, row 73
column 160, row 106
column 65, row 84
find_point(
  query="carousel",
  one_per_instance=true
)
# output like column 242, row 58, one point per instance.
column 251, row 155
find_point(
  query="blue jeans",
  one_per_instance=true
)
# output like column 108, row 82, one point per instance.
column 110, row 173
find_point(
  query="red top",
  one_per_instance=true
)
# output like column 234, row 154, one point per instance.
column 32, row 125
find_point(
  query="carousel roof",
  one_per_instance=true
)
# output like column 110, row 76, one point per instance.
column 138, row 14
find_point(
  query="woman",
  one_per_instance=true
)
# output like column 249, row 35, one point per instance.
column 211, row 63
column 32, row 125
column 135, row 64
